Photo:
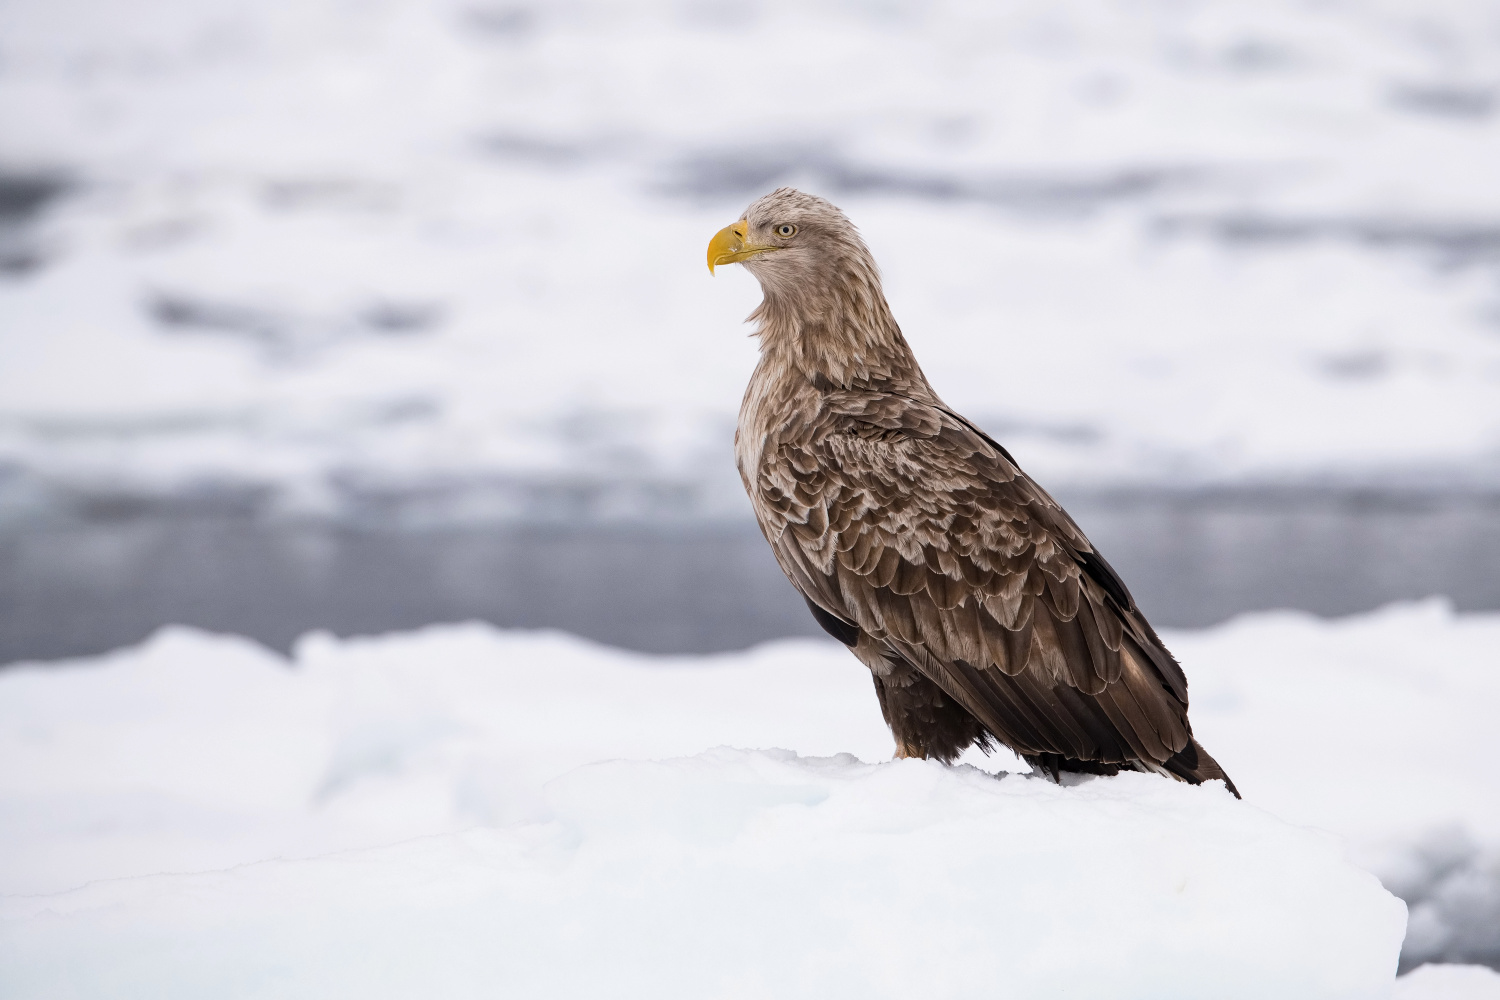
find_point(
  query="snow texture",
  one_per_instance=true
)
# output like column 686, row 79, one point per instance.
column 1449, row 982
column 303, row 253
column 208, row 754
column 760, row 874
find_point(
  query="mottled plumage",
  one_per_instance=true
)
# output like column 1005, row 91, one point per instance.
column 980, row 608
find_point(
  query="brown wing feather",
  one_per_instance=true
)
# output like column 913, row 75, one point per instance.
column 903, row 519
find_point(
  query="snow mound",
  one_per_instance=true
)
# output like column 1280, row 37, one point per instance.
column 196, row 752
column 741, row 873
column 1449, row 982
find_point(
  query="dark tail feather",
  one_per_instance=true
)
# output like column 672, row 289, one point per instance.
column 1193, row 765
column 1054, row 765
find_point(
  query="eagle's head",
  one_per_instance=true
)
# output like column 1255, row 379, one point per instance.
column 822, row 311
column 791, row 241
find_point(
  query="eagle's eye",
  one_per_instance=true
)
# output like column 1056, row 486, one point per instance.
column 786, row 229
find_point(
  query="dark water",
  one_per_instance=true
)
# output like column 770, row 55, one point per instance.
column 87, row 584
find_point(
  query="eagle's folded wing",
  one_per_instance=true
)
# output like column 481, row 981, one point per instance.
column 902, row 519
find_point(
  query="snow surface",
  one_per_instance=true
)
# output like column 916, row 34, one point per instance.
column 196, row 753
column 759, row 874
column 325, row 248
column 1449, row 982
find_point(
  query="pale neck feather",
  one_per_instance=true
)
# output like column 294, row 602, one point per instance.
column 837, row 331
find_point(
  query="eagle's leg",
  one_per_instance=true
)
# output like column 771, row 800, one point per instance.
column 924, row 721
column 904, row 751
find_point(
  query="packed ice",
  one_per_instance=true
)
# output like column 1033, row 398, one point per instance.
column 759, row 873
column 303, row 251
column 1449, row 982
column 494, row 810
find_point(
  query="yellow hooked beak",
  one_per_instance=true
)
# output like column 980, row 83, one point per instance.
column 729, row 247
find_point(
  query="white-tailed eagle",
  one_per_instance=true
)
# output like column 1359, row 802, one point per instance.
column 980, row 608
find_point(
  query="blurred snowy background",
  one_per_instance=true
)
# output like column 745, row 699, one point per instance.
column 363, row 315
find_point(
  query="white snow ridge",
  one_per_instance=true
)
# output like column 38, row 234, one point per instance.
column 426, row 814
column 759, row 874
column 421, row 815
